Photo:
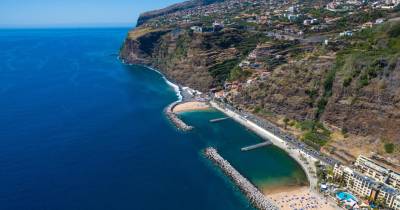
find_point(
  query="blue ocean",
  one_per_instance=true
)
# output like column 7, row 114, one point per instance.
column 81, row 130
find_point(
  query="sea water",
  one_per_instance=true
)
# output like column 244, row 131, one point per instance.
column 81, row 130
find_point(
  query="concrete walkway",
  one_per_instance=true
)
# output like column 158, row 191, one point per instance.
column 306, row 162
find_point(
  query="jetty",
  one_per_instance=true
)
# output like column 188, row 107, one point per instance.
column 263, row 144
column 175, row 119
column 219, row 119
column 256, row 198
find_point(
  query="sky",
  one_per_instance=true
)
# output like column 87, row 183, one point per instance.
column 59, row 13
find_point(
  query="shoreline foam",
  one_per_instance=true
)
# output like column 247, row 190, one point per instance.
column 174, row 118
column 171, row 84
column 176, row 87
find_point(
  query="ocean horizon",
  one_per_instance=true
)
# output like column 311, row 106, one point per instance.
column 81, row 130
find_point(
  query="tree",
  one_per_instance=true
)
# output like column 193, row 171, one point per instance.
column 380, row 202
column 286, row 121
column 389, row 148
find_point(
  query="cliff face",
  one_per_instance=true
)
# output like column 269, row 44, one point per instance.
column 185, row 57
column 373, row 110
column 349, row 90
column 139, row 46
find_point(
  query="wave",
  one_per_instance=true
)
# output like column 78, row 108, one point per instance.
column 176, row 87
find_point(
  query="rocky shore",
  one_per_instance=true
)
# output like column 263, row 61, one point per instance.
column 252, row 193
column 175, row 119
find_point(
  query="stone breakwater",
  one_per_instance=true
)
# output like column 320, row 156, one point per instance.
column 175, row 119
column 256, row 198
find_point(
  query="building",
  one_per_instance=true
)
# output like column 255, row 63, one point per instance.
column 379, row 21
column 291, row 17
column 313, row 21
column 217, row 26
column 346, row 33
column 396, row 203
column 377, row 171
column 392, row 2
column 371, row 180
column 196, row 29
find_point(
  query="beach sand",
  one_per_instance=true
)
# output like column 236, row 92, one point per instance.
column 190, row 106
column 299, row 198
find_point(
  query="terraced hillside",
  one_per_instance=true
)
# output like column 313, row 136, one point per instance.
column 331, row 78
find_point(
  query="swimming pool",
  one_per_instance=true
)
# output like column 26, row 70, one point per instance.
column 346, row 196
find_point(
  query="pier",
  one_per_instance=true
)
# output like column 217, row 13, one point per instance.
column 219, row 119
column 175, row 119
column 256, row 198
column 263, row 144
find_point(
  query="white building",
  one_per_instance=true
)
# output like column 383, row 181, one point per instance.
column 197, row 29
column 371, row 180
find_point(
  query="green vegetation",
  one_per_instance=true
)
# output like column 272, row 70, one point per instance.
column 286, row 121
column 320, row 13
column 238, row 73
column 394, row 31
column 389, row 148
column 372, row 54
column 260, row 111
column 222, row 70
column 316, row 135
column 358, row 18
column 244, row 42
column 182, row 46
column 328, row 84
column 249, row 42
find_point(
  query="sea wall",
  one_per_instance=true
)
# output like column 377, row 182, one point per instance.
column 296, row 154
column 175, row 119
column 252, row 193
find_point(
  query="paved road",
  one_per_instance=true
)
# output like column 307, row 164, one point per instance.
column 285, row 136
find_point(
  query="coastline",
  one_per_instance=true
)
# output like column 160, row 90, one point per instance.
column 309, row 169
column 169, row 110
column 190, row 106
column 297, row 155
column 300, row 198
column 184, row 104
column 288, row 197
column 176, row 87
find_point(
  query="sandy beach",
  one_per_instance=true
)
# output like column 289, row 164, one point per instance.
column 289, row 198
column 300, row 198
column 190, row 106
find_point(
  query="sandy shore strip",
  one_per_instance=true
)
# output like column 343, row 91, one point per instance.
column 191, row 106
column 305, row 161
column 301, row 198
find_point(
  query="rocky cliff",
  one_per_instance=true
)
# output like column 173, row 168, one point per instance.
column 200, row 60
column 342, row 97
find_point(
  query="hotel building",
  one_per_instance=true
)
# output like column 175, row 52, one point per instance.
column 372, row 181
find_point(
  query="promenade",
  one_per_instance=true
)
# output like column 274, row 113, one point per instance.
column 305, row 159
column 274, row 131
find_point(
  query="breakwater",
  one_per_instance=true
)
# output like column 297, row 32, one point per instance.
column 256, row 198
column 297, row 153
column 256, row 146
column 219, row 119
column 175, row 119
